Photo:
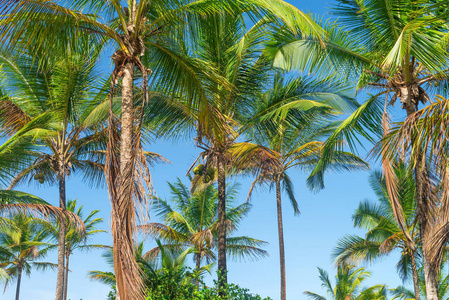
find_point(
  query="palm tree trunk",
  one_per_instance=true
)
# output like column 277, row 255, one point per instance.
column 281, row 238
column 431, row 278
column 66, row 274
column 61, row 241
column 197, row 268
column 415, row 277
column 222, row 269
column 19, row 278
column 129, row 282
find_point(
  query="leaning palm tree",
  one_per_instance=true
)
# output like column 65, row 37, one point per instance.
column 138, row 29
column 21, row 248
column 76, row 115
column 74, row 240
column 348, row 285
column 395, row 52
column 191, row 221
column 383, row 234
column 290, row 120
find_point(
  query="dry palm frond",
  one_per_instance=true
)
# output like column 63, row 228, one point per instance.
column 423, row 139
column 391, row 182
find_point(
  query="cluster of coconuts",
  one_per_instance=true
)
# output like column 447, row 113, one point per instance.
column 208, row 174
column 40, row 177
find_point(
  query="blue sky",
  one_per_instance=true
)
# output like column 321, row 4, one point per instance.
column 309, row 238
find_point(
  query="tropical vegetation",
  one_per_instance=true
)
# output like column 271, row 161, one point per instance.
column 264, row 93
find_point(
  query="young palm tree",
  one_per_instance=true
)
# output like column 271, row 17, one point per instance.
column 63, row 93
column 21, row 248
column 74, row 240
column 191, row 221
column 143, row 27
column 390, row 49
column 383, row 233
column 290, row 120
column 348, row 285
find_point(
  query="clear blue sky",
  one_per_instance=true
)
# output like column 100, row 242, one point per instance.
column 309, row 238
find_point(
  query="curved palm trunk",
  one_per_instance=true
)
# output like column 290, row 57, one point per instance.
column 281, row 238
column 415, row 277
column 61, row 241
column 66, row 274
column 222, row 270
column 19, row 279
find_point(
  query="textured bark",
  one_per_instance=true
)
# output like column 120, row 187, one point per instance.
column 415, row 277
column 61, row 241
column 222, row 269
column 431, row 278
column 281, row 238
column 66, row 274
column 19, row 279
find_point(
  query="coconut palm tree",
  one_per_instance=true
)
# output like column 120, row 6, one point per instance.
column 74, row 240
column 63, row 93
column 395, row 52
column 21, row 248
column 383, row 234
column 191, row 221
column 290, row 120
column 140, row 28
column 348, row 285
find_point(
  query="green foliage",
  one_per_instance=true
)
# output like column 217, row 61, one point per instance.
column 167, row 290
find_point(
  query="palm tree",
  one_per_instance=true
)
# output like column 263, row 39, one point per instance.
column 192, row 221
column 135, row 30
column 63, row 92
column 21, row 248
column 348, row 285
column 399, row 54
column 383, row 234
column 74, row 240
column 290, row 120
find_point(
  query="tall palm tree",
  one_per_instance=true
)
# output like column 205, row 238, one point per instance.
column 135, row 30
column 390, row 49
column 191, row 221
column 63, row 92
column 348, row 285
column 290, row 120
column 383, row 234
column 21, row 248
column 74, row 240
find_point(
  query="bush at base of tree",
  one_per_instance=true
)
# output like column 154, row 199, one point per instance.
column 168, row 289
